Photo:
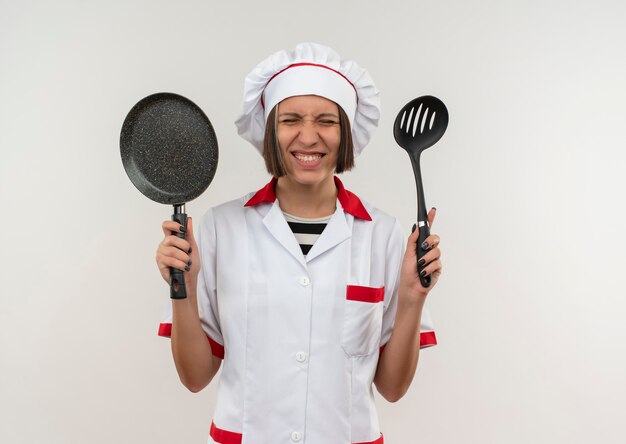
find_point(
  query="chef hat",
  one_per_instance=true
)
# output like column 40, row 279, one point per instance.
column 309, row 69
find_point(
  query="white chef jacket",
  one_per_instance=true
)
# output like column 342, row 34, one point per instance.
column 300, row 337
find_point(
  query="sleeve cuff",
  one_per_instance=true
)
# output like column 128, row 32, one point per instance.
column 428, row 339
column 165, row 330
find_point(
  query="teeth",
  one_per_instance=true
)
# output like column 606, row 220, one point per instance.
column 308, row 158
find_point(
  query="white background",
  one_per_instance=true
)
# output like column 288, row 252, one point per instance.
column 528, row 181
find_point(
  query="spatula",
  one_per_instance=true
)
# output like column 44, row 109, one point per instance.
column 419, row 125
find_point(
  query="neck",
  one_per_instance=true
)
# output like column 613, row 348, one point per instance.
column 307, row 200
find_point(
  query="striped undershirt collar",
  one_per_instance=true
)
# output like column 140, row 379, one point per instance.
column 307, row 220
column 349, row 201
column 306, row 230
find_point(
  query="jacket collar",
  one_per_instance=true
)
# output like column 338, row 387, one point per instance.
column 348, row 200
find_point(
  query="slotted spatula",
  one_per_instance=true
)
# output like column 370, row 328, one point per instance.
column 419, row 125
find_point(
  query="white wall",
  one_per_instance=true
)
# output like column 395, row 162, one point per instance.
column 528, row 182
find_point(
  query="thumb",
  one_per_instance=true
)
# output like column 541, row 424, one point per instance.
column 431, row 216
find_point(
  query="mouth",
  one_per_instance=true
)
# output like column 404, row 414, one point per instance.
column 308, row 158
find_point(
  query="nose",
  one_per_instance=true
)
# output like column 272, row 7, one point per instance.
column 308, row 134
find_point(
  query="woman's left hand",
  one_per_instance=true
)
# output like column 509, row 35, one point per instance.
column 409, row 278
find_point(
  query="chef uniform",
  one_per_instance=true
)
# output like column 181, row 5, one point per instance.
column 300, row 336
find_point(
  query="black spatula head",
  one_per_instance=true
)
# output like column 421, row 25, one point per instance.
column 420, row 124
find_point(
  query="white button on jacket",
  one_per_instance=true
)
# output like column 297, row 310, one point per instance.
column 253, row 271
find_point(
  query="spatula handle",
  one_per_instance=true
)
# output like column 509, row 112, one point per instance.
column 424, row 233
column 177, row 277
column 422, row 216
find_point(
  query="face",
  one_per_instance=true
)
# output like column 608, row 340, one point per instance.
column 309, row 134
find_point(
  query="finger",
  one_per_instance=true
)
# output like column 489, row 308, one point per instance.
column 429, row 257
column 174, row 252
column 431, row 241
column 171, row 262
column 170, row 227
column 431, row 216
column 434, row 268
column 174, row 241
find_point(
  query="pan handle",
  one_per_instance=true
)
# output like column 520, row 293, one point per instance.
column 177, row 277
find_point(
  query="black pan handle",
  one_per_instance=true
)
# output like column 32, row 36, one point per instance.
column 177, row 277
column 424, row 233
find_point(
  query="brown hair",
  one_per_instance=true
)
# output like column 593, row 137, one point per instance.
column 274, row 159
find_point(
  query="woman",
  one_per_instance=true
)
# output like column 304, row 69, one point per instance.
column 303, row 291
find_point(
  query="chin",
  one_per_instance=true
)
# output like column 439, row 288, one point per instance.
column 310, row 177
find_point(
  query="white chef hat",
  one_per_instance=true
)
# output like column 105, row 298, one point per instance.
column 310, row 69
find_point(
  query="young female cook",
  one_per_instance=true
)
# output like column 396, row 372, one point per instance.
column 304, row 292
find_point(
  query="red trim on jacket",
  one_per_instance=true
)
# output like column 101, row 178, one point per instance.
column 165, row 330
column 227, row 437
column 264, row 195
column 224, row 436
column 348, row 200
column 365, row 294
column 380, row 440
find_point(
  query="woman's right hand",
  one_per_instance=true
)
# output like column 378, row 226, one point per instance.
column 178, row 253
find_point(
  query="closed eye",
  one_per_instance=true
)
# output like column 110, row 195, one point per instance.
column 289, row 121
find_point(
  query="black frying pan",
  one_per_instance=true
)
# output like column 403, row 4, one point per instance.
column 169, row 151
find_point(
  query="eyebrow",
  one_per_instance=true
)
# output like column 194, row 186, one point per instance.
column 293, row 114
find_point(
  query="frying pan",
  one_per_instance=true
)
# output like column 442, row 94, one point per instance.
column 169, row 151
